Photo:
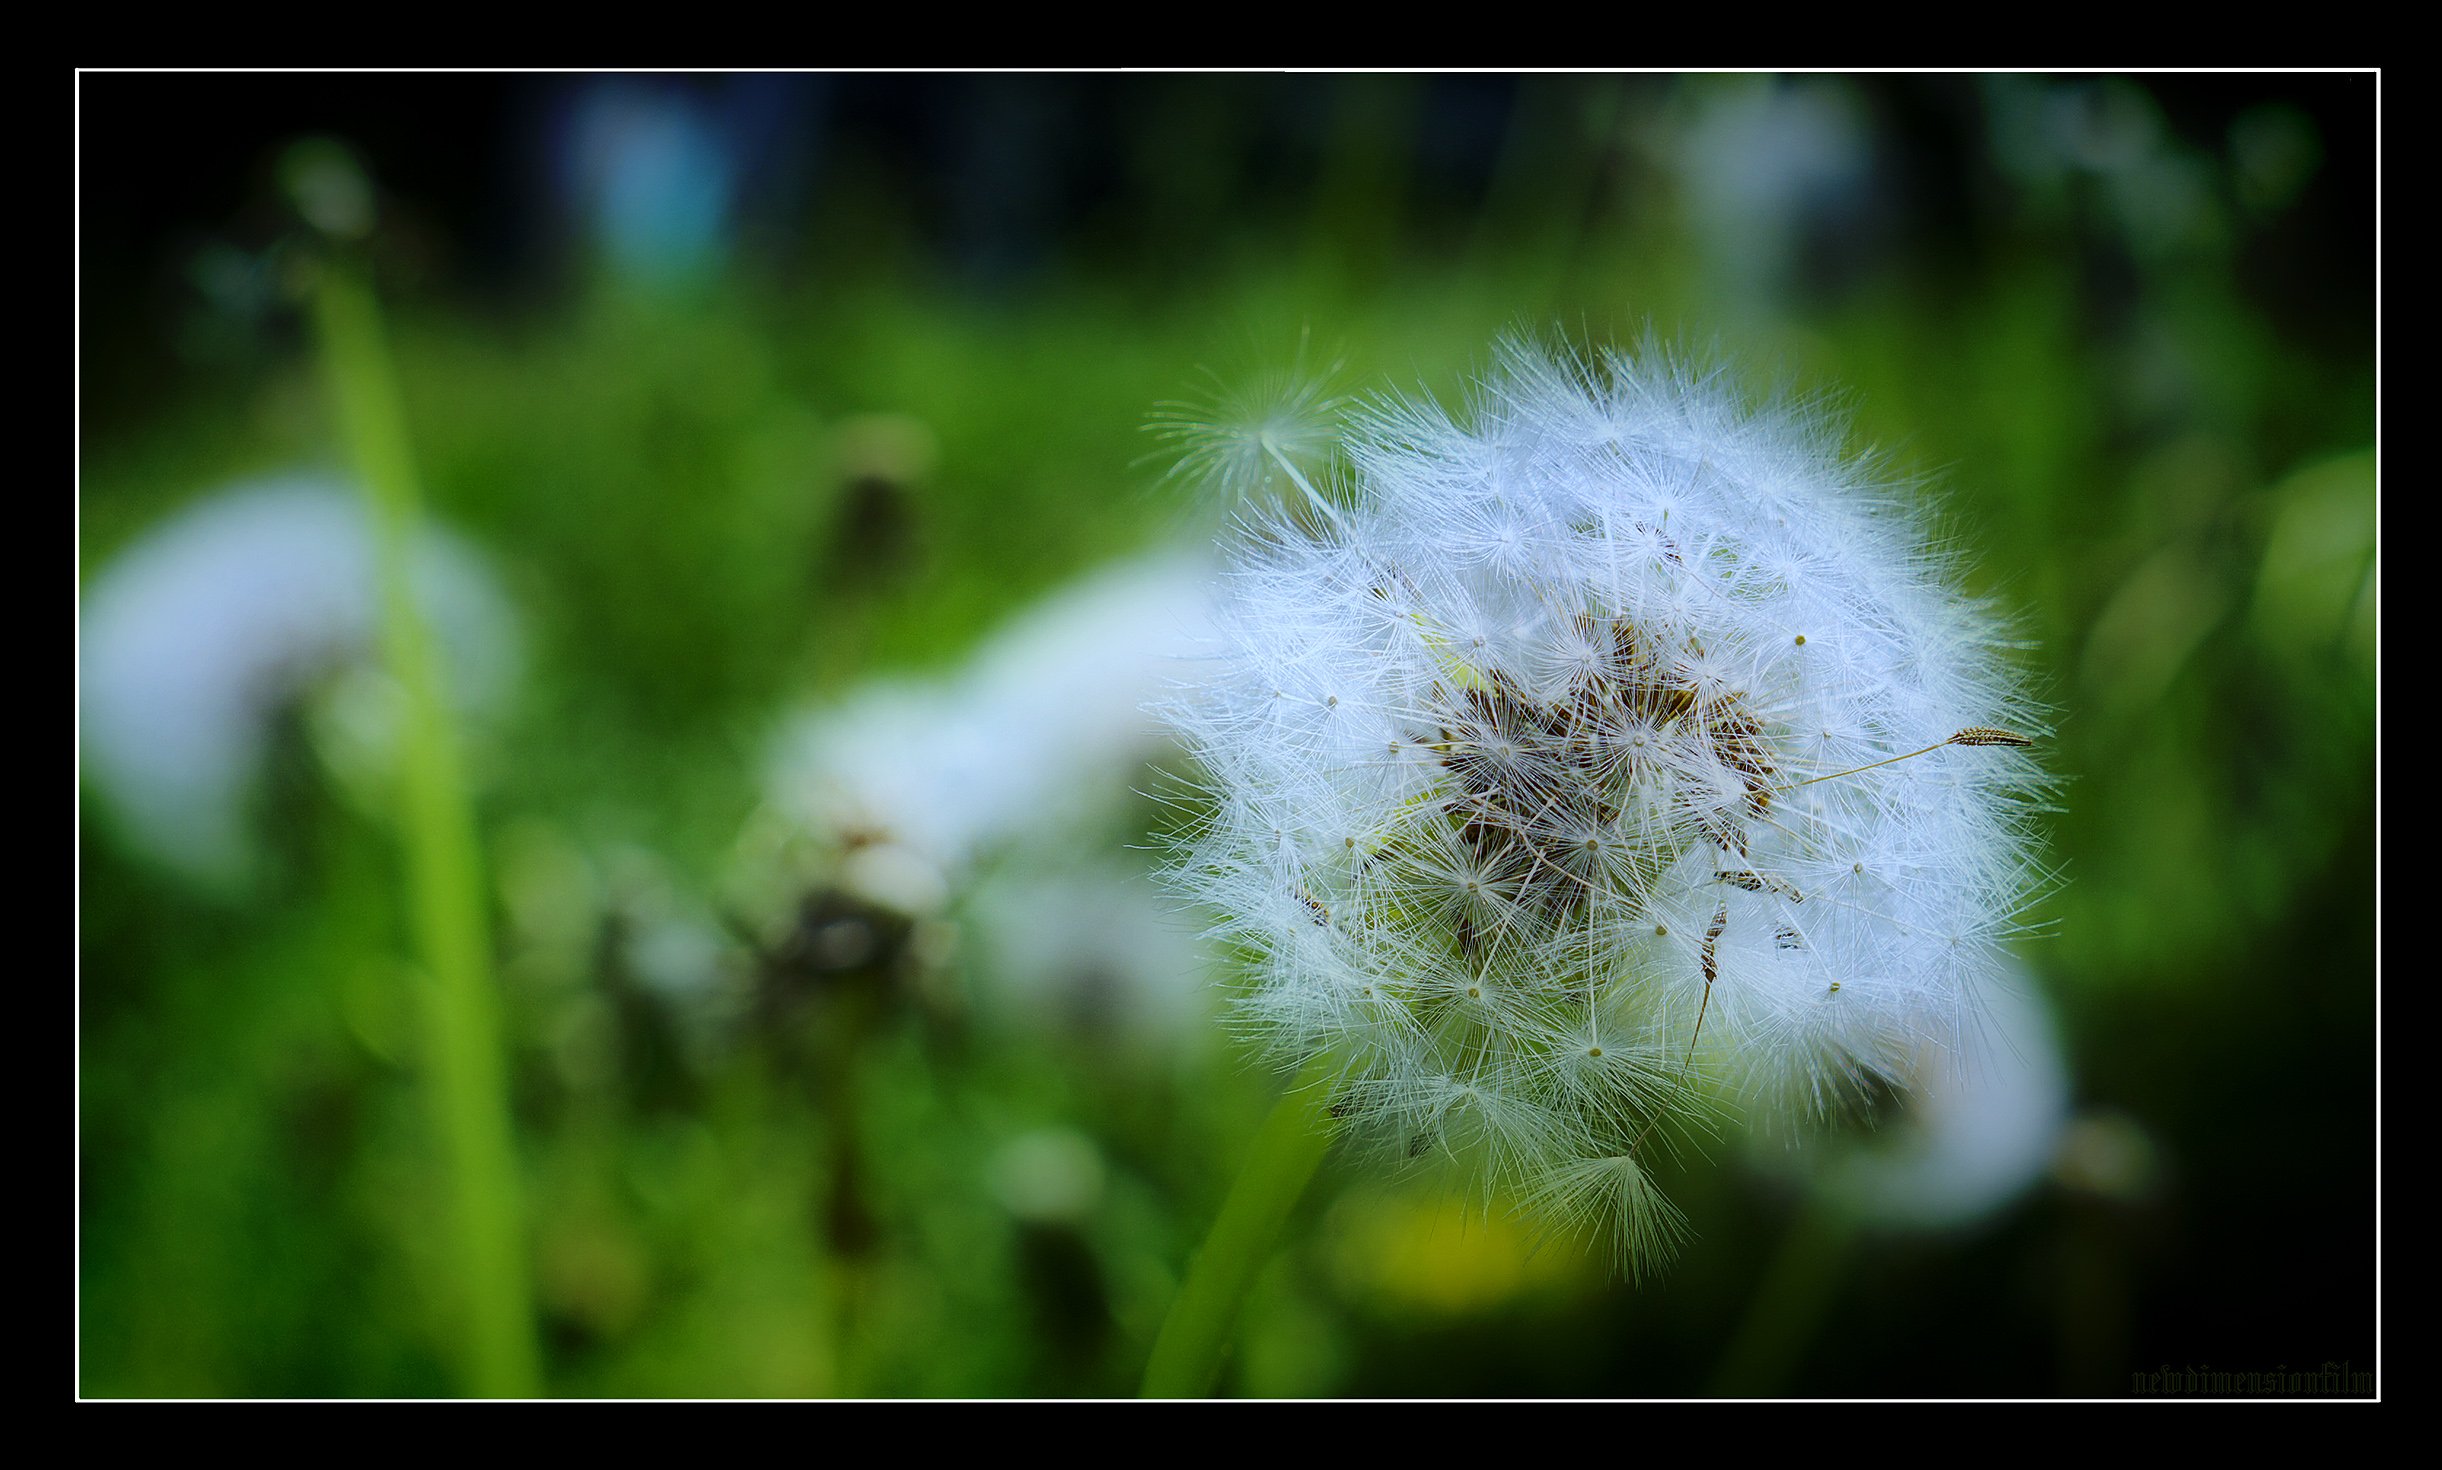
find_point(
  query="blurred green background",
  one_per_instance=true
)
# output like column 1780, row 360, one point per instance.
column 741, row 392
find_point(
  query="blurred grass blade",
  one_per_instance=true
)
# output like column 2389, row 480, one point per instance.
column 1196, row 1335
column 1788, row 1309
column 463, row 1061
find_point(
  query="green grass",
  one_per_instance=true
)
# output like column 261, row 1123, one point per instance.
column 456, row 992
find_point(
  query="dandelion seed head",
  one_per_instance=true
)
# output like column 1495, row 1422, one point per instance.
column 1611, row 751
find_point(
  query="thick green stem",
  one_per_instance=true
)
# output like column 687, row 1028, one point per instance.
column 1196, row 1335
column 444, row 874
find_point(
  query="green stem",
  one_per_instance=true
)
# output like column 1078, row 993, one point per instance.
column 1789, row 1306
column 444, row 872
column 1195, row 1336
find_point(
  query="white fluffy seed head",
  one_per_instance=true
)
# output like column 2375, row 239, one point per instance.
column 1610, row 754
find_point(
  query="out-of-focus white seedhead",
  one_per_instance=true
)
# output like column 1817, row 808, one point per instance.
column 190, row 639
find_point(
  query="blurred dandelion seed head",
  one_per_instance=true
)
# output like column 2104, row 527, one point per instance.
column 1979, row 1127
column 1611, row 753
column 192, row 639
column 990, row 793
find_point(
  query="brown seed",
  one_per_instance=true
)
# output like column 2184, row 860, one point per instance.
column 1712, row 937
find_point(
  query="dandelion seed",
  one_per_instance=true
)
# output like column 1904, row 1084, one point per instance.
column 1244, row 443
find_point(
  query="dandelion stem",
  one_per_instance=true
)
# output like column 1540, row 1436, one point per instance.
column 1790, row 1304
column 444, row 882
column 1196, row 1335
